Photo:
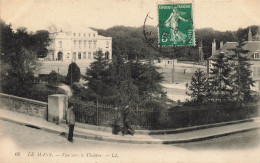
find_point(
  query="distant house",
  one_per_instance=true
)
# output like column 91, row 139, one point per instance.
column 77, row 43
column 252, row 45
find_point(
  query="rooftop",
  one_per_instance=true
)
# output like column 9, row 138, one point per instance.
column 251, row 46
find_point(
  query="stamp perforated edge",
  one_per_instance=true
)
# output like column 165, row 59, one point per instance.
column 176, row 2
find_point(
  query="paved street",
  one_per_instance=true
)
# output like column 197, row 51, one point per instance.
column 24, row 139
column 240, row 141
column 19, row 138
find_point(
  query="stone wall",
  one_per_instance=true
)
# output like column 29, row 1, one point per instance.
column 24, row 105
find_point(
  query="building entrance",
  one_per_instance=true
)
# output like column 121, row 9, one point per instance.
column 60, row 56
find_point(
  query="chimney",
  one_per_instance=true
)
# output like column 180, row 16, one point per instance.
column 220, row 44
column 213, row 47
column 249, row 35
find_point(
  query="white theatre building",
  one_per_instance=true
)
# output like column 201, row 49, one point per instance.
column 77, row 44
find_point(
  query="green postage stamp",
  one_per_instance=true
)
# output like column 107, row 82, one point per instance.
column 175, row 26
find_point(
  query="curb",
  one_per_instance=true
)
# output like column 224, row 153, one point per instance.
column 210, row 137
column 187, row 129
column 110, row 139
column 163, row 132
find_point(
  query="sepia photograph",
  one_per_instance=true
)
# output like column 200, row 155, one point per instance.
column 129, row 81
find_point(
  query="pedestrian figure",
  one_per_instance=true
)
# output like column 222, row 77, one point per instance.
column 126, row 123
column 125, row 114
column 71, row 122
column 115, row 125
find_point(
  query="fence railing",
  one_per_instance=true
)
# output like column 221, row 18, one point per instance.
column 95, row 114
column 104, row 115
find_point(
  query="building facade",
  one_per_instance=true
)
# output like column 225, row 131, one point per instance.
column 79, row 44
column 253, row 47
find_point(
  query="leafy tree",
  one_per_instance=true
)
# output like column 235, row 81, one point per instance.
column 55, row 78
column 40, row 41
column 127, row 91
column 130, row 42
column 18, row 60
column 241, row 76
column 73, row 73
column 99, row 80
column 242, row 33
column 17, row 78
column 110, row 82
column 219, row 80
column 198, row 86
column 148, row 80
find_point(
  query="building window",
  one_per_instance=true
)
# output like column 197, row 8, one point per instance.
column 60, row 56
column 94, row 34
column 84, row 34
column 60, row 44
column 89, row 55
column 79, row 44
column 84, row 55
column 68, row 55
column 89, row 35
column 256, row 55
column 74, row 34
column 74, row 55
column 85, row 46
column 79, row 34
column 94, row 44
column 74, row 44
column 107, row 44
column 89, row 45
column 79, row 55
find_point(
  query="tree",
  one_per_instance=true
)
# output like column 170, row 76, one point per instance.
column 147, row 79
column 40, row 41
column 17, row 78
column 54, row 78
column 110, row 82
column 241, row 76
column 73, row 73
column 18, row 60
column 198, row 86
column 126, row 90
column 219, row 80
column 99, row 80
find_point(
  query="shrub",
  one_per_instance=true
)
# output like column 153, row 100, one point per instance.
column 41, row 92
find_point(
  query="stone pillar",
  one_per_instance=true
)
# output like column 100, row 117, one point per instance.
column 57, row 106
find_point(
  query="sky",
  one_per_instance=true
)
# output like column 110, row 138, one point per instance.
column 39, row 14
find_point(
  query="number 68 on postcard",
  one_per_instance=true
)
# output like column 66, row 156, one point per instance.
column 175, row 26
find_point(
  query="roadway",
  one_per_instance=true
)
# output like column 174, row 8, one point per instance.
column 27, row 140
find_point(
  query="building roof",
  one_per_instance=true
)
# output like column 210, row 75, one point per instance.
column 65, row 27
column 251, row 46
